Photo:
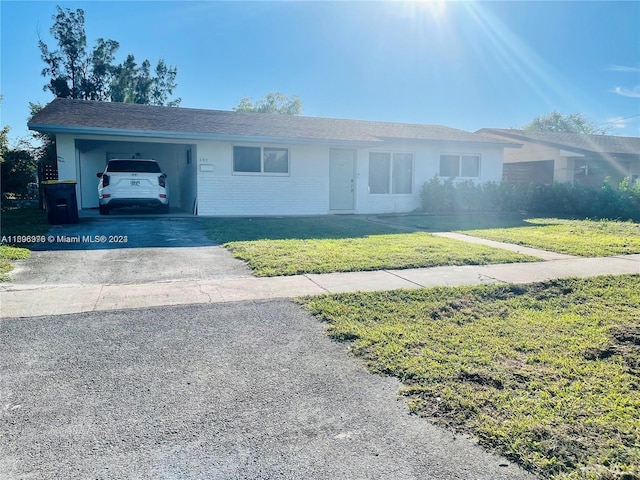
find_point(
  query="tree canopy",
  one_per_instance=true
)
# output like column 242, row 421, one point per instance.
column 17, row 167
column 558, row 122
column 274, row 102
column 75, row 72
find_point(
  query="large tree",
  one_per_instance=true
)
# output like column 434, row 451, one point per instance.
column 17, row 167
column 274, row 102
column 558, row 122
column 74, row 72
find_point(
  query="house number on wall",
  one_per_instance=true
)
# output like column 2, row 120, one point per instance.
column 205, row 166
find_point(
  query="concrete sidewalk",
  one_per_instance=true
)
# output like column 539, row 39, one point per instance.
column 36, row 300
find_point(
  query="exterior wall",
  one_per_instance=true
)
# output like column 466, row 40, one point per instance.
column 564, row 169
column 634, row 171
column 66, row 151
column 91, row 163
column 305, row 191
column 68, row 161
column 207, row 173
column 564, row 161
column 426, row 160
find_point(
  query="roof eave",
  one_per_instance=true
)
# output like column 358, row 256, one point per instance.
column 579, row 151
column 172, row 135
column 475, row 143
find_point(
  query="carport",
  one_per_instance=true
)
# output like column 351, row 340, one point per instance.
column 175, row 159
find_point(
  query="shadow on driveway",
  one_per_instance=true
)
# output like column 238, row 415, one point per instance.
column 126, row 249
column 126, row 229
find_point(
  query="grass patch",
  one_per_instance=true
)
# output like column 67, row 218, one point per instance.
column 293, row 246
column 14, row 222
column 6, row 255
column 23, row 221
column 451, row 223
column 226, row 230
column 547, row 374
column 586, row 238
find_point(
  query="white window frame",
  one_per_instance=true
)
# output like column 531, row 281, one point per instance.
column 390, row 184
column 262, row 155
column 460, row 155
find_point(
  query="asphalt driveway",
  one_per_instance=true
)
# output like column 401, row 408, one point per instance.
column 123, row 249
column 249, row 390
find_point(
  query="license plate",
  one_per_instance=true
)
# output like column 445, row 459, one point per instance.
column 135, row 183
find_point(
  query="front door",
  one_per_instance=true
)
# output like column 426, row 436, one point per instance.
column 342, row 167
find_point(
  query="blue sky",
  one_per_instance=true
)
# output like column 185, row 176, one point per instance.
column 467, row 65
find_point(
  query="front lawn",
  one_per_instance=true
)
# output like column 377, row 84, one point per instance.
column 587, row 238
column 455, row 222
column 28, row 221
column 23, row 222
column 226, row 230
column 290, row 246
column 547, row 374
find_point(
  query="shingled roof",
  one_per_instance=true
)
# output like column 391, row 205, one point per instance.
column 83, row 116
column 581, row 143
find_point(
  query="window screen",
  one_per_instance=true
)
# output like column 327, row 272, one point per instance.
column 246, row 159
column 449, row 165
column 379, row 172
column 276, row 160
column 402, row 173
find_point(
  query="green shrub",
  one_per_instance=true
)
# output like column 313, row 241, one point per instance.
column 564, row 199
column 17, row 170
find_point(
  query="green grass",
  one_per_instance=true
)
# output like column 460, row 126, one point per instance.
column 19, row 221
column 586, row 238
column 23, row 221
column 6, row 255
column 547, row 374
column 225, row 230
column 451, row 223
column 290, row 246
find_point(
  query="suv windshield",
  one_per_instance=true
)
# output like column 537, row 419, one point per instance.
column 133, row 166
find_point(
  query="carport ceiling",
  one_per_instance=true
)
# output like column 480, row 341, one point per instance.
column 89, row 145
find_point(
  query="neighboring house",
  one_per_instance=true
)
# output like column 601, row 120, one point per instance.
column 231, row 163
column 547, row 157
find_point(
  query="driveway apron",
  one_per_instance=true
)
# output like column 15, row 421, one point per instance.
column 126, row 249
column 249, row 390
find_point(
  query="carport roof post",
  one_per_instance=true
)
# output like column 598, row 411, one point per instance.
column 110, row 118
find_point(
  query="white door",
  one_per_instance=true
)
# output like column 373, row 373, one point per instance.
column 342, row 167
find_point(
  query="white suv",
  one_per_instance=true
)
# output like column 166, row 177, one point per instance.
column 126, row 183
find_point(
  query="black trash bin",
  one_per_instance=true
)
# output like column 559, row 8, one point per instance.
column 62, row 203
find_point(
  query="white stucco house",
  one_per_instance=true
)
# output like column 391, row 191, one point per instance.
column 222, row 163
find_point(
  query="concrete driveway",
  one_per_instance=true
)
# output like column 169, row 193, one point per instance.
column 250, row 390
column 123, row 249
